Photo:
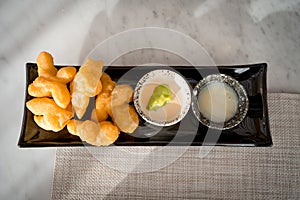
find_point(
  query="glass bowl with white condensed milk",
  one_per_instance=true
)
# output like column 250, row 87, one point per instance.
column 219, row 101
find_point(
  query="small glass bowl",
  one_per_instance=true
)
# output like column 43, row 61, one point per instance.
column 243, row 101
column 170, row 78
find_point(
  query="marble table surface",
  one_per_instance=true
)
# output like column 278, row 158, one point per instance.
column 232, row 32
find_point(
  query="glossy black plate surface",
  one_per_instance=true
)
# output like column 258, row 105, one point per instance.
column 252, row 131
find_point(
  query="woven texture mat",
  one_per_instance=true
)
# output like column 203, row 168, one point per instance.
column 225, row 173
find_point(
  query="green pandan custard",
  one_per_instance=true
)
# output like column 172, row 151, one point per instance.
column 160, row 97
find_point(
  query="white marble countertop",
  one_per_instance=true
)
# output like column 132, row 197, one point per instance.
column 232, row 32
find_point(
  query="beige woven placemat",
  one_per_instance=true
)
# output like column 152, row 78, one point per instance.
column 225, row 173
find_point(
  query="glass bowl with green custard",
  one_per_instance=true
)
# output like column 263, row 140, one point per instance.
column 162, row 97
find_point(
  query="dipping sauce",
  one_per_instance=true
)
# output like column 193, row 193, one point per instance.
column 218, row 102
column 168, row 112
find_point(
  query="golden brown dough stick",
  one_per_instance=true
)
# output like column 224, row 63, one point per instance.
column 86, row 84
column 66, row 74
column 87, row 79
column 125, row 118
column 36, row 89
column 41, row 87
column 101, row 105
column 103, row 100
column 50, row 116
column 49, row 123
column 99, row 88
column 88, row 131
column 121, row 94
column 103, row 133
column 107, row 85
column 45, row 65
column 101, row 113
column 39, row 120
column 80, row 103
column 109, row 133
column 71, row 87
column 69, row 108
column 71, row 126
column 94, row 116
column 47, row 69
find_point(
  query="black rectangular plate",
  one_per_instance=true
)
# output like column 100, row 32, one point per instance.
column 252, row 131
